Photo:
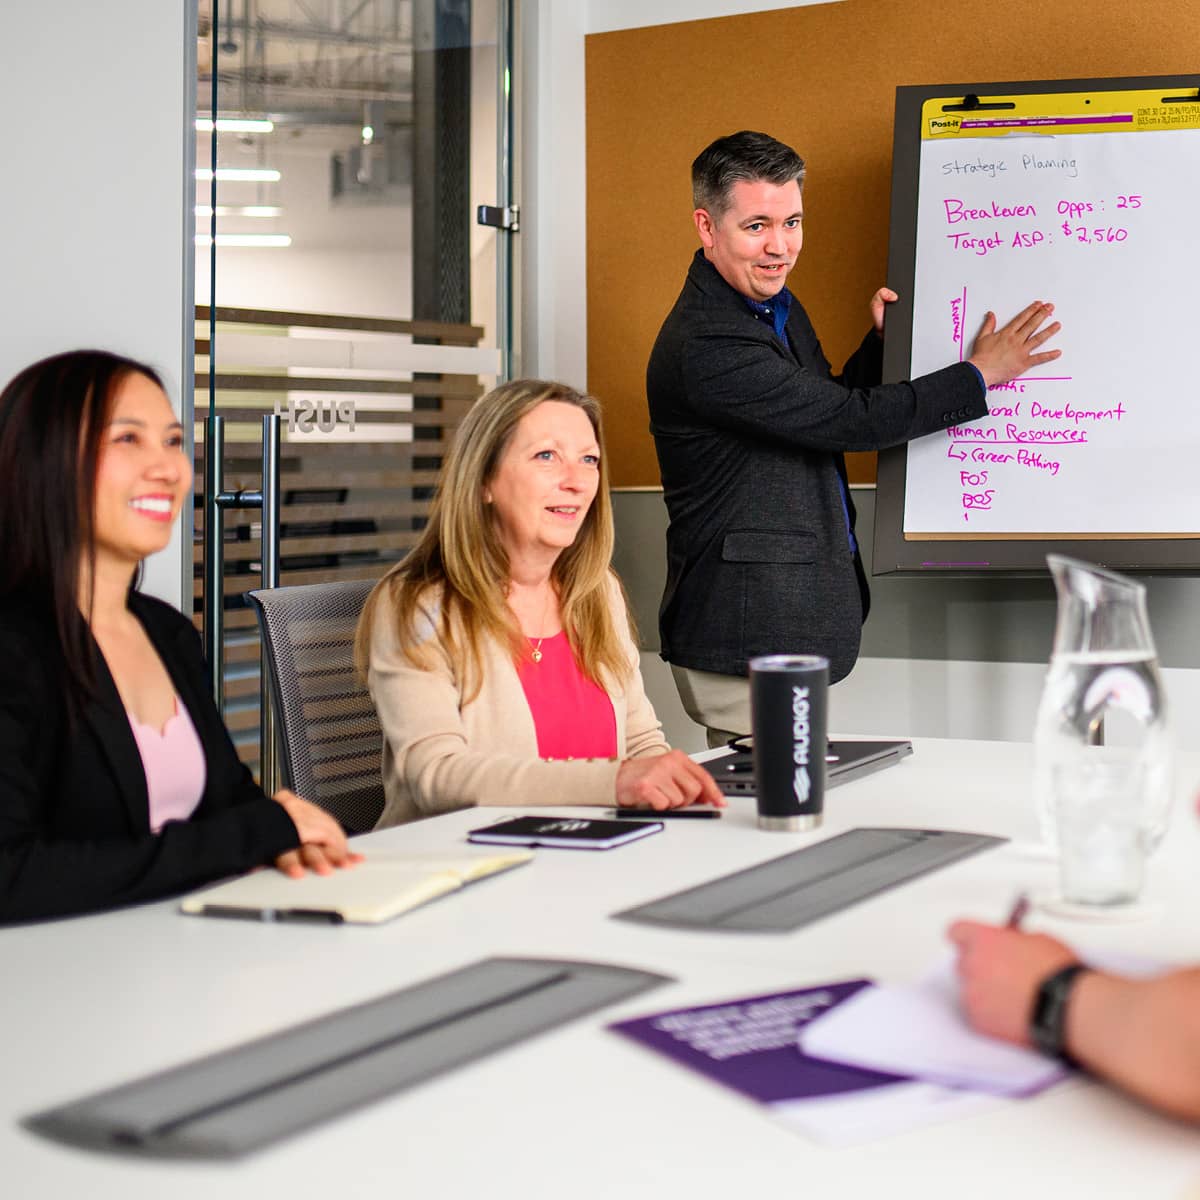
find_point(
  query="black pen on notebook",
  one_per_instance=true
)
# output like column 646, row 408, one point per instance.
column 1018, row 912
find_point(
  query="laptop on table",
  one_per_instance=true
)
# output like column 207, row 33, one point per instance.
column 733, row 768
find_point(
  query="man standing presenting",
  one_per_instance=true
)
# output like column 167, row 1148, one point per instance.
column 750, row 425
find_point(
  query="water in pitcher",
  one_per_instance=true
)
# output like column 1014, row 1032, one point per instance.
column 1111, row 694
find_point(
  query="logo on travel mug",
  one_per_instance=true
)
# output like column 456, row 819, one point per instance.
column 801, row 780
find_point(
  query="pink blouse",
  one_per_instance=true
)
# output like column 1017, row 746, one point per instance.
column 573, row 717
column 174, row 764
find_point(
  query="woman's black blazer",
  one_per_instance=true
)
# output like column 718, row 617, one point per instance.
column 74, row 812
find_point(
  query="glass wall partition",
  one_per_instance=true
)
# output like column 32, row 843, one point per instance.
column 344, row 148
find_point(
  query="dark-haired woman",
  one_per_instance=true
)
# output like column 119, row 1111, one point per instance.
column 118, row 780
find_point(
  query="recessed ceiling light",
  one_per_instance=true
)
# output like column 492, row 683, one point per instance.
column 277, row 240
column 240, row 210
column 234, row 125
column 239, row 174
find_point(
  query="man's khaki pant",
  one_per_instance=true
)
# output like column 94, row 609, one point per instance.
column 721, row 703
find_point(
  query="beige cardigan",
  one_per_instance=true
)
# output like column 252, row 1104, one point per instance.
column 440, row 755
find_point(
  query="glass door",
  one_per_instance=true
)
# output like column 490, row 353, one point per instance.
column 344, row 151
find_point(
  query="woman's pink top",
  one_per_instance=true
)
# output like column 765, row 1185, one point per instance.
column 573, row 717
column 174, row 764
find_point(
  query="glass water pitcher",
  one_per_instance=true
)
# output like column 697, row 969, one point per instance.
column 1103, row 696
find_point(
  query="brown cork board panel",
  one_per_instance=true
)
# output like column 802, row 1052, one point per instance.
column 822, row 78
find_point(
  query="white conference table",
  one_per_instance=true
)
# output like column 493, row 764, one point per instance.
column 580, row 1112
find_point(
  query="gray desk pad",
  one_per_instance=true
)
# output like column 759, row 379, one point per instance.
column 240, row 1099
column 788, row 892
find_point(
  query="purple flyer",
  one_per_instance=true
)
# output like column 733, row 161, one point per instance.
column 750, row 1045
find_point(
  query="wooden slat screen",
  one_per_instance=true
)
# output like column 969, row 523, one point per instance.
column 350, row 508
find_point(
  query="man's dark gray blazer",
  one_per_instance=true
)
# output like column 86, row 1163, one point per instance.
column 750, row 435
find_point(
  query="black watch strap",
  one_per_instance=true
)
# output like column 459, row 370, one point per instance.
column 1047, row 1024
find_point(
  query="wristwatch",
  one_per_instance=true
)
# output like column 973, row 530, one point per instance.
column 1047, row 1024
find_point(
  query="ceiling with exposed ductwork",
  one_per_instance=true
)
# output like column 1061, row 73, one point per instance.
column 312, row 61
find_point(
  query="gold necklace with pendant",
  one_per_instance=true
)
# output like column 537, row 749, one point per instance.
column 536, row 652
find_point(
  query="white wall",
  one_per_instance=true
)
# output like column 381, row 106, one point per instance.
column 888, row 697
column 96, row 201
column 606, row 15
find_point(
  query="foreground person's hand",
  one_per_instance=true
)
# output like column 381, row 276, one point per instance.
column 999, row 970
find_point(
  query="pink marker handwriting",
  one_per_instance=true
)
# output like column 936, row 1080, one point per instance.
column 957, row 211
column 1069, row 412
column 1016, row 435
column 978, row 499
column 1034, row 460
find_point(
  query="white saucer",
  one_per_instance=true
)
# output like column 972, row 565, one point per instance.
column 1033, row 851
column 1053, row 905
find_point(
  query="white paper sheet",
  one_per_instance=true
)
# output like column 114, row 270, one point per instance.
column 858, row 1117
column 919, row 1030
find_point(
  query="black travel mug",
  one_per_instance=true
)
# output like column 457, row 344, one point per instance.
column 789, row 703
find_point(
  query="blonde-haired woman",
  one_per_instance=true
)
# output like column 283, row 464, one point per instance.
column 499, row 651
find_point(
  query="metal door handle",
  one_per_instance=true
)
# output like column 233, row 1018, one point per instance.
column 216, row 501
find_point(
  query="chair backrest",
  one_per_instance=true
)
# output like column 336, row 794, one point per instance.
column 331, row 743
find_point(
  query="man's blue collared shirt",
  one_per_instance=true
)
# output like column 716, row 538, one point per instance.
column 775, row 311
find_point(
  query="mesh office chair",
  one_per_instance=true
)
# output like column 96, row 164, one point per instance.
column 330, row 739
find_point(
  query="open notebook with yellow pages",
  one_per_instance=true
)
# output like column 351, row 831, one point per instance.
column 376, row 890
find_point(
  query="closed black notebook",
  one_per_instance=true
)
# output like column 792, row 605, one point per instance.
column 568, row 833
